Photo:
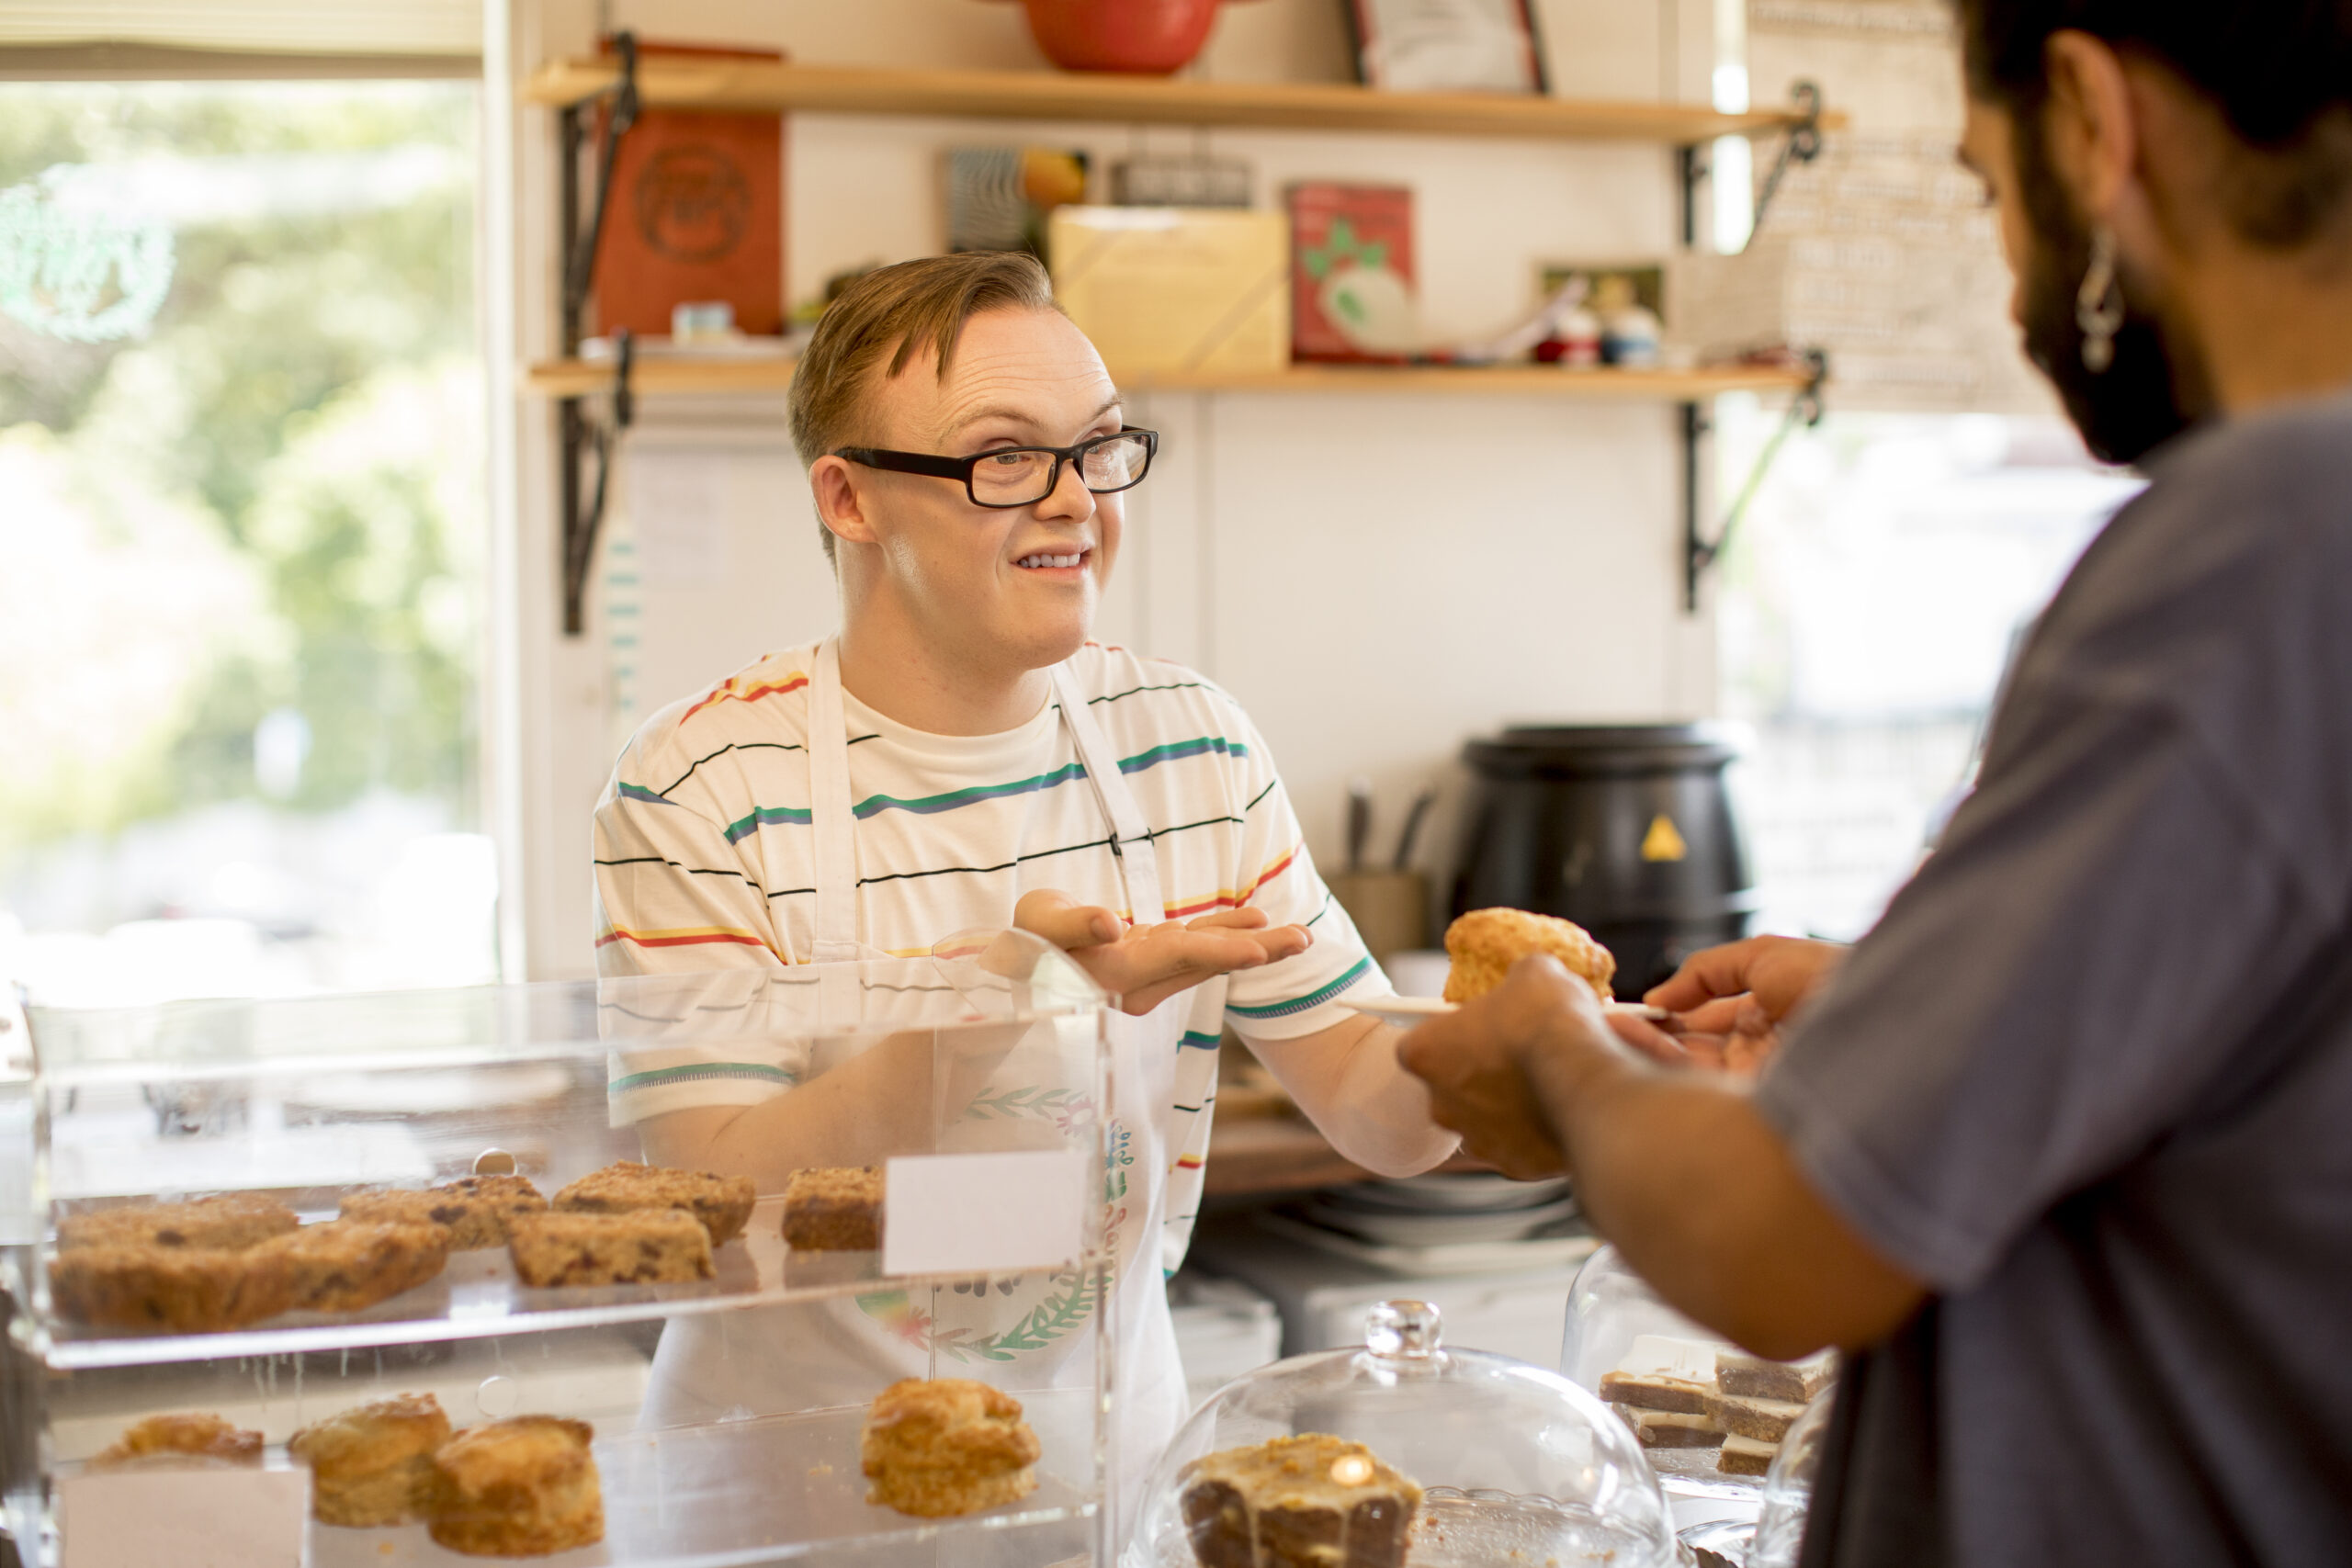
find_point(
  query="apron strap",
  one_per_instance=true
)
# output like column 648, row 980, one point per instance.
column 830, row 812
column 1130, row 835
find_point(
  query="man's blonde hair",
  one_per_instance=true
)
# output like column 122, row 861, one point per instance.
column 897, row 312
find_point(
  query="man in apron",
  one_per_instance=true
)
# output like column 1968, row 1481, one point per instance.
column 959, row 756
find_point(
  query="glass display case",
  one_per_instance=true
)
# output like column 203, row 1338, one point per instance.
column 926, row 1141
column 1402, row 1451
column 1711, row 1418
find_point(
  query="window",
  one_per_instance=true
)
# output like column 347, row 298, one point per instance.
column 242, row 501
column 1868, row 608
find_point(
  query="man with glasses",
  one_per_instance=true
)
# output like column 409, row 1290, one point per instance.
column 960, row 756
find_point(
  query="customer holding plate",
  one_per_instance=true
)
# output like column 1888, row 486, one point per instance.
column 2058, row 1154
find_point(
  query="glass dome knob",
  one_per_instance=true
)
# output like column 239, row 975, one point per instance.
column 1403, row 1328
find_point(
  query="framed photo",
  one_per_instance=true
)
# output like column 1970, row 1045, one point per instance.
column 1447, row 46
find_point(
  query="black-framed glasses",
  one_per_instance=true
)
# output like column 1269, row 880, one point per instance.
column 1023, row 476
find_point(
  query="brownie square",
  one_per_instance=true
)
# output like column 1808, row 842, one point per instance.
column 834, row 1209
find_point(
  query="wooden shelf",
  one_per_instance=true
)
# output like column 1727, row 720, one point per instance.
column 741, row 86
column 574, row 377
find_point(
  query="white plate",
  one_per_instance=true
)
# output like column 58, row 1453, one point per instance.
column 1425, row 1262
column 1406, row 1011
column 1474, row 1192
column 1435, row 1230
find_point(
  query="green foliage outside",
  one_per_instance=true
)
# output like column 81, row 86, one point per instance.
column 273, row 499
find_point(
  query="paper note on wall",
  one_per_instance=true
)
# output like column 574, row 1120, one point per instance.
column 984, row 1213
column 677, row 505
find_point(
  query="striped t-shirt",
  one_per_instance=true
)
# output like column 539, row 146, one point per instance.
column 705, row 856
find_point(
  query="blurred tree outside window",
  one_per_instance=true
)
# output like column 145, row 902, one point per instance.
column 241, row 506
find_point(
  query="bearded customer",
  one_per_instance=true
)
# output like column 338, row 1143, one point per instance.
column 2058, row 1154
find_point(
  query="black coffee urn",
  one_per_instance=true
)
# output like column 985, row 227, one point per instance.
column 1626, row 829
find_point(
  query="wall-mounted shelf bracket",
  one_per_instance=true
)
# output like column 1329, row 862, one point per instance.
column 580, row 434
column 1800, row 143
column 1699, row 552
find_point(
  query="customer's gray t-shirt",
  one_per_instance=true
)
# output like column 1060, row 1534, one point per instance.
column 2091, row 1076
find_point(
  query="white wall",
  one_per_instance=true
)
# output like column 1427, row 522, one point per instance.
column 1377, row 576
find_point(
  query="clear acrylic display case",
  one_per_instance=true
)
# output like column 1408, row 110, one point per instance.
column 726, row 1411
column 1516, row 1464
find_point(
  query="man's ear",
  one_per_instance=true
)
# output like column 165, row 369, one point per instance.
column 840, row 506
column 2089, row 123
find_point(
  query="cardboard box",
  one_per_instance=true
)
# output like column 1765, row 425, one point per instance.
column 1176, row 289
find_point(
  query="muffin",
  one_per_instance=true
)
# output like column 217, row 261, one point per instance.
column 372, row 1464
column 192, row 1434
column 946, row 1447
column 1484, row 943
column 523, row 1487
column 1309, row 1501
column 723, row 1203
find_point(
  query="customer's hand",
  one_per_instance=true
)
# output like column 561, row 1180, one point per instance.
column 1474, row 1061
column 1728, row 1003
column 1144, row 965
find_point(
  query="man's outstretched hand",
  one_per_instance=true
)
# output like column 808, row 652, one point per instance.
column 1145, row 965
column 1728, row 1003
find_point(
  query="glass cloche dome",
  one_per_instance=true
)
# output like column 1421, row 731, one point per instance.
column 1402, row 1453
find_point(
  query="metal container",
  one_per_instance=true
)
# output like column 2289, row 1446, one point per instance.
column 1626, row 829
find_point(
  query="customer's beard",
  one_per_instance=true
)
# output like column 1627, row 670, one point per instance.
column 2147, row 394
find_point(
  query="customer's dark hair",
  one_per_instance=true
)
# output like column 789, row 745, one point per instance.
column 2278, row 71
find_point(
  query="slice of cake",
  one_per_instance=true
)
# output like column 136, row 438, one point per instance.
column 192, row 1290
column 372, row 1464
column 946, row 1447
column 474, row 1209
column 1310, row 1500
column 344, row 1264
column 1670, row 1429
column 523, row 1487
column 1745, row 1456
column 1766, row 1420
column 723, row 1203
column 191, row 1434
column 1655, row 1391
column 643, row 1246
column 1753, row 1377
column 834, row 1209
column 232, row 1221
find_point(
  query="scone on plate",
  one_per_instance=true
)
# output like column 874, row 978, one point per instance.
column 1309, row 1501
column 233, row 1221
column 1484, row 943
column 344, row 1264
column 949, row 1446
column 372, row 1464
column 189, row 1434
column 644, row 1248
column 522, row 1487
column 475, row 1209
column 834, row 1209
column 723, row 1203
column 191, row 1290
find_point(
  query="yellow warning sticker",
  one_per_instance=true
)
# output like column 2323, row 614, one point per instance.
column 1662, row 842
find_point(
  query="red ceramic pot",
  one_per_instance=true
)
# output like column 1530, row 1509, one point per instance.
column 1146, row 37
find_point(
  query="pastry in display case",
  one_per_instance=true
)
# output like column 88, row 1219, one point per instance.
column 1404, row 1451
column 1710, row 1415
column 436, row 1276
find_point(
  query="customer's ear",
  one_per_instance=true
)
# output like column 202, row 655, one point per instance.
column 840, row 505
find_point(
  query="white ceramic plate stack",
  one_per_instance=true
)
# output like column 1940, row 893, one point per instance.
column 1462, row 1222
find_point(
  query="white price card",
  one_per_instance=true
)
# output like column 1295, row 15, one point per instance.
column 984, row 1213
column 215, row 1518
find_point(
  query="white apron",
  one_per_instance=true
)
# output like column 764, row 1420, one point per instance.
column 800, row 1357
